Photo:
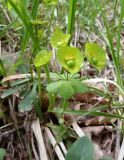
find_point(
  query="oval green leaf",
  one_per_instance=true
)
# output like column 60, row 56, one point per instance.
column 59, row 39
column 70, row 54
column 61, row 88
column 2, row 153
column 82, row 149
column 11, row 91
column 26, row 103
column 78, row 86
column 96, row 55
column 42, row 58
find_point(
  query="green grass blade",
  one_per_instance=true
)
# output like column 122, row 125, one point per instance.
column 110, row 39
column 119, row 30
column 93, row 112
column 34, row 8
column 27, row 34
column 26, row 20
column 5, row 29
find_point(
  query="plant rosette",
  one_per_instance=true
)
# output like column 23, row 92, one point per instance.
column 70, row 58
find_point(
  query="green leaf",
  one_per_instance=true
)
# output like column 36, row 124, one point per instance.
column 105, row 158
column 26, row 103
column 18, row 82
column 78, row 86
column 59, row 39
column 62, row 88
column 96, row 55
column 65, row 54
column 10, row 91
column 2, row 153
column 82, row 149
column 51, row 2
column 42, row 58
column 66, row 89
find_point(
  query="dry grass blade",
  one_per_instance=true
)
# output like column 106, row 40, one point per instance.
column 63, row 147
column 14, row 77
column 20, row 76
column 34, row 149
column 39, row 137
column 54, row 144
column 121, row 153
column 78, row 130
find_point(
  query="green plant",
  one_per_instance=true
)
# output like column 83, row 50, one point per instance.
column 38, row 38
column 70, row 58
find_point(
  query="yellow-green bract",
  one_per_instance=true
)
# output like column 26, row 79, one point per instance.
column 70, row 58
column 59, row 39
column 96, row 55
column 42, row 58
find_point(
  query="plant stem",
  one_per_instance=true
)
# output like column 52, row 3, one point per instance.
column 39, row 85
column 64, row 106
column 47, row 73
column 71, row 16
column 38, row 106
column 52, row 98
column 50, row 22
